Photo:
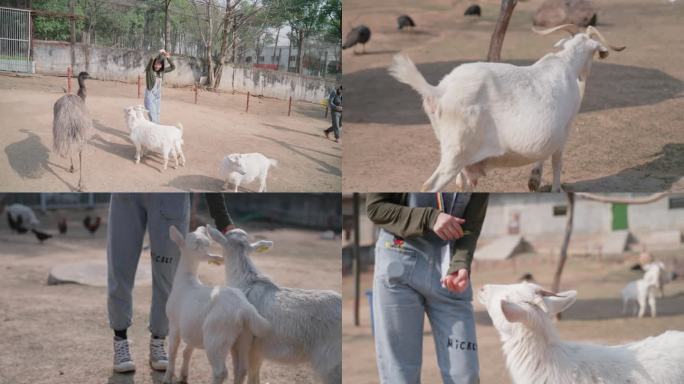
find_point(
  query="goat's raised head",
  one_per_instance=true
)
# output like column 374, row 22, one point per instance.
column 525, row 303
column 195, row 244
column 591, row 37
column 238, row 240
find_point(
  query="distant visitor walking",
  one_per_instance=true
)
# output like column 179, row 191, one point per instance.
column 335, row 104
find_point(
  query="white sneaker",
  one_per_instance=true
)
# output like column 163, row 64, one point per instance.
column 122, row 356
column 158, row 359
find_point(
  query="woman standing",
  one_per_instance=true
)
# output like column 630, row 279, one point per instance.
column 422, row 266
column 153, row 78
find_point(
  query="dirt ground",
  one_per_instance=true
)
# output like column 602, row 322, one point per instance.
column 214, row 128
column 596, row 316
column 60, row 334
column 627, row 137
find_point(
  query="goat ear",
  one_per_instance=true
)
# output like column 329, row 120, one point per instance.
column 560, row 302
column 176, row 236
column 513, row 312
column 261, row 246
column 216, row 235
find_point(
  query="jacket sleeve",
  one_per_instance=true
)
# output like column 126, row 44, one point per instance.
column 464, row 248
column 171, row 66
column 388, row 211
column 218, row 210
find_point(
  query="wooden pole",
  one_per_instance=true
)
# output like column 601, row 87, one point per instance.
column 195, row 89
column 247, row 108
column 69, row 80
column 72, row 22
column 138, row 86
column 357, row 260
column 289, row 107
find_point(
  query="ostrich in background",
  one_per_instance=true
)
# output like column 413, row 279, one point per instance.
column 70, row 125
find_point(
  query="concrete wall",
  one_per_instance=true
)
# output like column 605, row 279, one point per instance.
column 535, row 212
column 52, row 57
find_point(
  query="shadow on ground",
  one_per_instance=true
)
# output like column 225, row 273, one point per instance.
column 196, row 183
column 322, row 165
column 30, row 159
column 659, row 174
column 372, row 96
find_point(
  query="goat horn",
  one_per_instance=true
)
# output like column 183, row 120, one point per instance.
column 570, row 28
column 544, row 292
column 539, row 302
column 591, row 31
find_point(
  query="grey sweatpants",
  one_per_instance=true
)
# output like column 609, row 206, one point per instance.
column 405, row 287
column 130, row 215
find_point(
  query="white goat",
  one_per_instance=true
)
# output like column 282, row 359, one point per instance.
column 216, row 319
column 535, row 354
column 166, row 139
column 246, row 167
column 306, row 325
column 496, row 115
column 644, row 290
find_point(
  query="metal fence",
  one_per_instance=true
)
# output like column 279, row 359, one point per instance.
column 15, row 40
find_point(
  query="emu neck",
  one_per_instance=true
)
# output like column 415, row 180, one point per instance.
column 527, row 350
column 81, row 89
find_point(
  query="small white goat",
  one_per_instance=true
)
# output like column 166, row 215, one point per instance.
column 246, row 167
column 534, row 353
column 145, row 134
column 216, row 319
column 497, row 115
column 306, row 325
column 644, row 290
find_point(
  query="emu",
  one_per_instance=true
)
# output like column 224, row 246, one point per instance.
column 70, row 126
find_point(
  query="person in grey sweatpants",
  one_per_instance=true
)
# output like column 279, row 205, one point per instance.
column 408, row 283
column 130, row 216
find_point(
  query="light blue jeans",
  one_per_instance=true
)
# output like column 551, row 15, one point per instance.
column 405, row 287
column 153, row 102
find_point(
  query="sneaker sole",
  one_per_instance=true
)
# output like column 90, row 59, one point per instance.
column 158, row 366
column 124, row 368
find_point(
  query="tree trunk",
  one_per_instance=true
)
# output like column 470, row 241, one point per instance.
column 167, row 3
column 210, row 63
column 275, row 48
column 300, row 53
column 564, row 247
column 218, row 72
column 496, row 42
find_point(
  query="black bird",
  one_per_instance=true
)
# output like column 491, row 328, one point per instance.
column 358, row 35
column 90, row 225
column 62, row 225
column 15, row 225
column 473, row 10
column 41, row 236
column 405, row 21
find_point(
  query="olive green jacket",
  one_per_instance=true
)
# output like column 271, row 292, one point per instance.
column 389, row 211
column 150, row 74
